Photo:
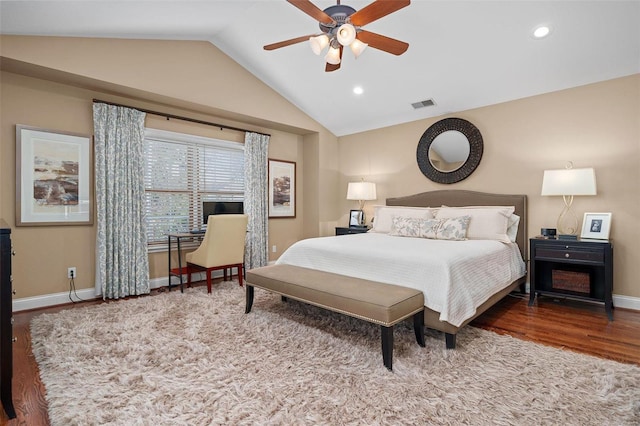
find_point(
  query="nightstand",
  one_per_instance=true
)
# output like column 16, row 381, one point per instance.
column 580, row 269
column 343, row 230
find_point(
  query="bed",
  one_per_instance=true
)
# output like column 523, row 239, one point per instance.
column 460, row 279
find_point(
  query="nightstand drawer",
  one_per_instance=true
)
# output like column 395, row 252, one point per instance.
column 559, row 253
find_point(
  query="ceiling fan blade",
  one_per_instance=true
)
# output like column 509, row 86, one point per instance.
column 284, row 43
column 377, row 10
column 330, row 67
column 377, row 41
column 312, row 10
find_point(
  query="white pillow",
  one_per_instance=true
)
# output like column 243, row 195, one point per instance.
column 487, row 223
column 514, row 220
column 383, row 214
column 512, row 229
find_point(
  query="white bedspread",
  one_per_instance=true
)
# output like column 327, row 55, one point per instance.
column 455, row 276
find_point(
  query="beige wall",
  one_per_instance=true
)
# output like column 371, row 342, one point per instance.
column 51, row 82
column 44, row 253
column 593, row 126
column 181, row 73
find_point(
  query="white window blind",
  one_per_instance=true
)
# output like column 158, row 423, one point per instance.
column 182, row 171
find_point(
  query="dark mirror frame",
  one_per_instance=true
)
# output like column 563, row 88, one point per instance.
column 476, row 148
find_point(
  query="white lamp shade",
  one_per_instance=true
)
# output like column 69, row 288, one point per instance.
column 357, row 47
column 361, row 191
column 569, row 182
column 318, row 43
column 333, row 56
column 346, row 34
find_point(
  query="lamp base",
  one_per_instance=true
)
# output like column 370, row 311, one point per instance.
column 568, row 237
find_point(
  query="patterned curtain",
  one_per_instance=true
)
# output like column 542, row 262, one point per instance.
column 122, row 262
column 256, row 199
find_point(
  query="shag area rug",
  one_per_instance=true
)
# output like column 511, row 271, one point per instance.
column 198, row 359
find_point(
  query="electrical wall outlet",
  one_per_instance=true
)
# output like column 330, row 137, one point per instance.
column 71, row 272
column 274, row 249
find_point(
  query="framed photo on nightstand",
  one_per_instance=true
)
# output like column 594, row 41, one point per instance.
column 596, row 226
column 355, row 218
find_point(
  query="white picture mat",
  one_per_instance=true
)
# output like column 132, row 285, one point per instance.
column 47, row 146
column 278, row 172
column 596, row 226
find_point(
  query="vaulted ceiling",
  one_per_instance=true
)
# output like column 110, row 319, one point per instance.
column 462, row 54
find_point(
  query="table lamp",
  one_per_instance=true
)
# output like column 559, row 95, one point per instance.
column 567, row 183
column 361, row 191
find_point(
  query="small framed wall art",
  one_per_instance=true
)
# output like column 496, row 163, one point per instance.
column 53, row 178
column 282, row 189
column 596, row 226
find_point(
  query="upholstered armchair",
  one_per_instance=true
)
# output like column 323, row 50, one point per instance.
column 222, row 247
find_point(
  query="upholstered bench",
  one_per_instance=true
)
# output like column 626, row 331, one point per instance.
column 379, row 303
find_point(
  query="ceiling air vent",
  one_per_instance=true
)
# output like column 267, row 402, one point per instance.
column 422, row 104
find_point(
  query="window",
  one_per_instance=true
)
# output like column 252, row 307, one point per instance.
column 182, row 171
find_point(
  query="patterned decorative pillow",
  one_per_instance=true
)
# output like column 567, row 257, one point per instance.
column 384, row 214
column 429, row 228
column 435, row 229
column 454, row 228
column 403, row 226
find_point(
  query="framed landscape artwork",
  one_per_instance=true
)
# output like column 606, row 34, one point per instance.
column 53, row 178
column 282, row 188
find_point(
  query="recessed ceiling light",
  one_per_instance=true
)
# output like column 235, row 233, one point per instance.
column 541, row 32
column 358, row 90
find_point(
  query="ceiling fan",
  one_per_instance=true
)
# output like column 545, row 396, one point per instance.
column 341, row 26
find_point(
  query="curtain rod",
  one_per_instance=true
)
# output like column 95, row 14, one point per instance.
column 177, row 117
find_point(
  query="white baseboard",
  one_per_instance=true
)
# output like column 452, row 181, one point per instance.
column 626, row 302
column 54, row 299
column 46, row 300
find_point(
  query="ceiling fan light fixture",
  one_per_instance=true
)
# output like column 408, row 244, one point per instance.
column 340, row 25
column 318, row 43
column 333, row 56
column 346, row 34
column 357, row 47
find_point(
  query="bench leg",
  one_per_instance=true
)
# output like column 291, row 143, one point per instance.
column 284, row 299
column 450, row 340
column 418, row 327
column 387, row 346
column 249, row 299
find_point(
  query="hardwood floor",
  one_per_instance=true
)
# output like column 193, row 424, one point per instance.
column 565, row 324
column 568, row 324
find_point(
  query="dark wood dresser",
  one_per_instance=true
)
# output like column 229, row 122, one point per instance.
column 6, row 320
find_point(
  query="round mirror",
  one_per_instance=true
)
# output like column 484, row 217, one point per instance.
column 450, row 150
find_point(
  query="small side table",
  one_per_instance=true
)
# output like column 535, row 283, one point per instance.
column 180, row 270
column 344, row 230
column 580, row 269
